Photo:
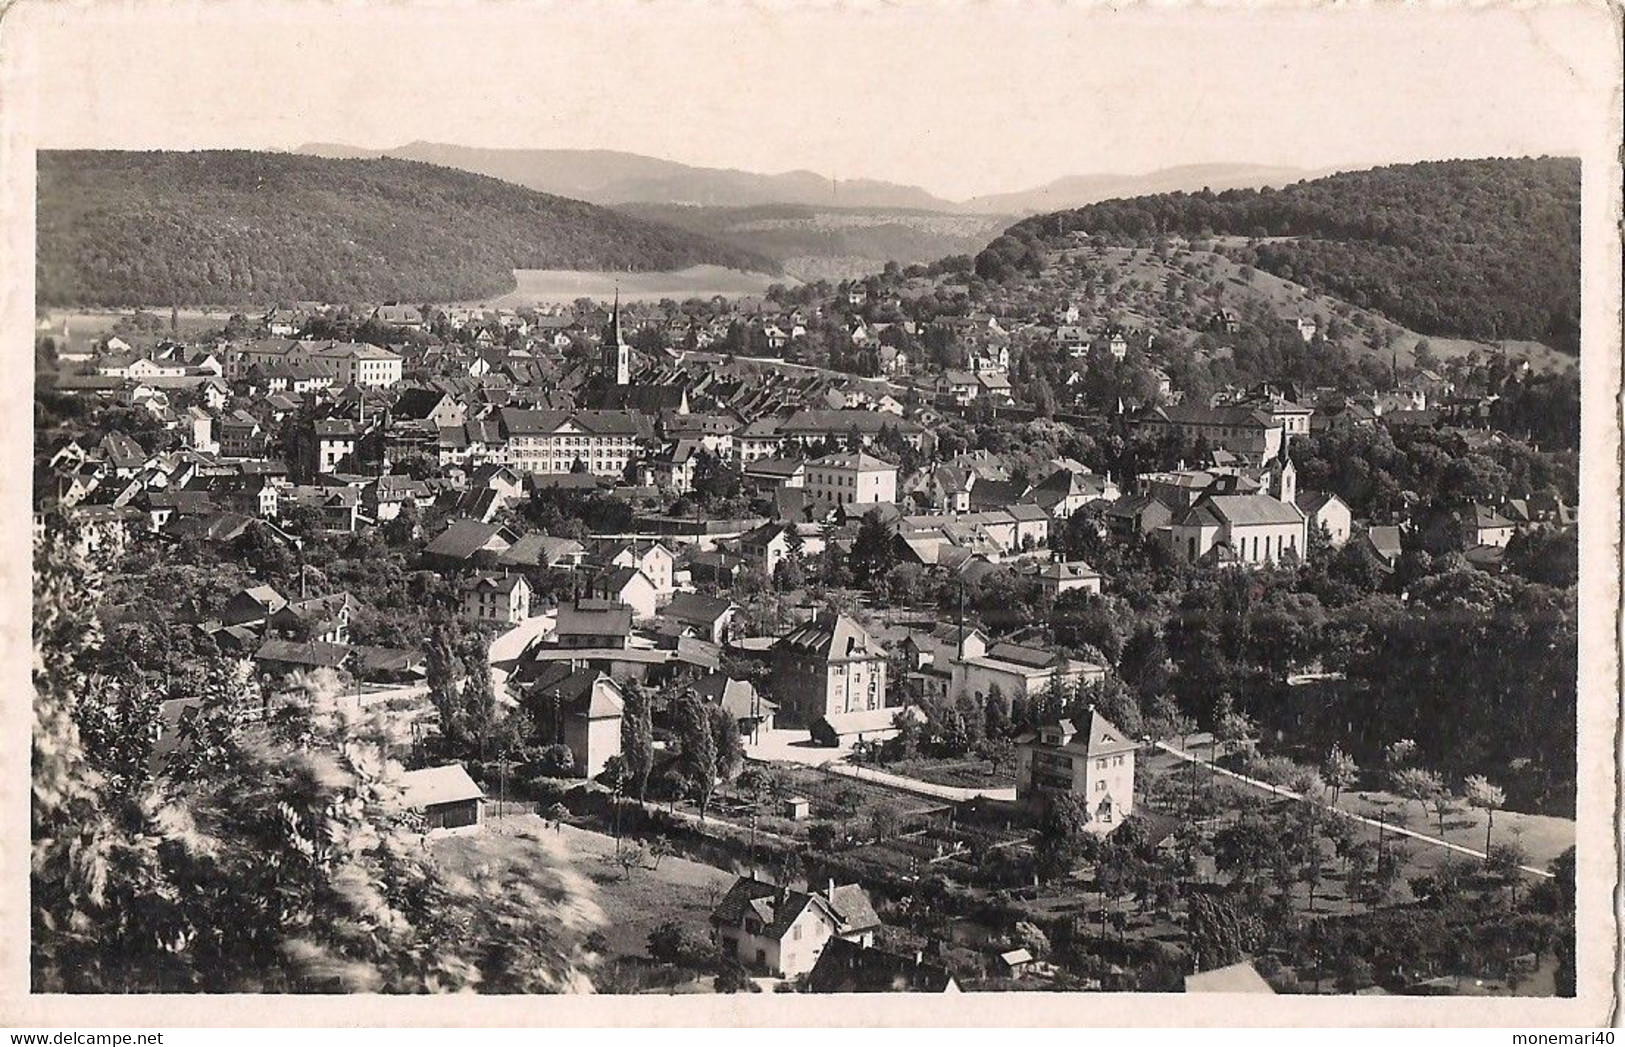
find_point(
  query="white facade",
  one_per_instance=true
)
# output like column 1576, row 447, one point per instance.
column 851, row 478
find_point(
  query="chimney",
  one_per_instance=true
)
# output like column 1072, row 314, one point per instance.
column 831, row 893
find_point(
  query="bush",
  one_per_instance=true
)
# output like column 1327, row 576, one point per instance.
column 669, row 943
column 732, row 977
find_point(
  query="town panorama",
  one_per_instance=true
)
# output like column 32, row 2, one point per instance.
column 1174, row 594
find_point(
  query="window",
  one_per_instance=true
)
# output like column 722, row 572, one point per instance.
column 1100, row 785
column 1117, row 761
column 795, row 932
column 1101, row 764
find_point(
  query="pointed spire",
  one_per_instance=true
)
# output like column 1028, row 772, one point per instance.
column 613, row 335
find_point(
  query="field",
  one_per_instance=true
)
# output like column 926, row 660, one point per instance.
column 566, row 285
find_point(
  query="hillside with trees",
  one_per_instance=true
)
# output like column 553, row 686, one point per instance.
column 248, row 228
column 1469, row 248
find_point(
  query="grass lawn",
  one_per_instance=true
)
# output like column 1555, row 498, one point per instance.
column 959, row 772
column 679, row 890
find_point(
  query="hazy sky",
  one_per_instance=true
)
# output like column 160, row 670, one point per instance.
column 959, row 98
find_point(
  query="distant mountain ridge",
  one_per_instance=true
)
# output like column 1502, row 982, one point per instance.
column 606, row 177
column 609, row 177
column 1081, row 190
column 246, row 228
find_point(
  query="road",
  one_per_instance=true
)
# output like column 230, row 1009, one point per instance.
column 510, row 645
column 1397, row 830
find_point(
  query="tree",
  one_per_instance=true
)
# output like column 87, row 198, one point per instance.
column 1220, row 932
column 630, row 857
column 1418, row 785
column 698, row 753
column 1339, row 772
column 729, row 745
column 1032, row 938
column 637, row 738
column 271, row 859
column 1059, row 842
column 1486, row 797
column 872, row 554
column 668, row 943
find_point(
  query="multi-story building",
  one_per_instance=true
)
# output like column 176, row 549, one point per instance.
column 1095, row 765
column 851, row 478
column 551, row 441
column 827, row 667
column 357, row 363
column 1244, row 430
column 498, row 598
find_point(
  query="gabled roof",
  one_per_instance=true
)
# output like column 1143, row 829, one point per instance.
column 589, row 693
column 1241, row 510
column 847, row 966
column 837, row 638
column 594, row 618
column 697, row 608
column 431, row 786
column 846, row 907
column 463, row 538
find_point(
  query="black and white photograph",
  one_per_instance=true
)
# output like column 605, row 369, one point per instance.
column 681, row 499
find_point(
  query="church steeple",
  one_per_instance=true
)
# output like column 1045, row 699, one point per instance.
column 616, row 354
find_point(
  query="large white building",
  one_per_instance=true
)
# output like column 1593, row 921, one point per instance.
column 1250, row 529
column 553, row 441
column 357, row 363
column 851, row 478
column 343, row 362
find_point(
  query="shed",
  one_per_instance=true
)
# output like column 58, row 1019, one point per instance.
column 1016, row 961
column 796, row 808
column 447, row 796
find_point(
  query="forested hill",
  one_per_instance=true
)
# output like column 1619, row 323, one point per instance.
column 1484, row 249
column 249, row 228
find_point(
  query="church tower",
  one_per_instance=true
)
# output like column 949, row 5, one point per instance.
column 617, row 355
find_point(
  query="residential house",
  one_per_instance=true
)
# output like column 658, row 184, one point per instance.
column 1064, row 576
column 589, row 705
column 656, row 561
column 1095, row 765
column 498, row 598
column 783, row 932
column 1324, row 509
column 1015, row 669
column 846, row 966
column 740, row 699
column 851, row 478
column 630, row 587
column 709, row 617
column 1384, row 543
column 541, row 550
